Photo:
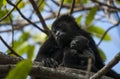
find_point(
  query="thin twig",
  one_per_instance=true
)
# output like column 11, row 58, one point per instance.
column 88, row 68
column 51, row 10
column 107, row 67
column 9, row 12
column 106, row 33
column 103, row 4
column 25, row 17
column 47, row 18
column 65, row 5
column 40, row 17
column 40, row 3
column 72, row 7
column 60, row 8
column 9, row 47
column 117, row 15
column 11, row 21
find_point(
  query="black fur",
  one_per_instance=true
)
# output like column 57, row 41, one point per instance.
column 76, row 56
column 56, row 50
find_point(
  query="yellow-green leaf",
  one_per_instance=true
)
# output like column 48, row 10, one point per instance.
column 21, row 70
column 24, row 37
column 42, row 4
column 102, row 54
column 30, row 52
column 40, row 37
column 3, row 13
column 118, row 2
column 81, row 1
column 21, row 5
column 21, row 48
column 4, row 2
column 91, row 16
column 79, row 19
column 97, row 31
column 67, row 1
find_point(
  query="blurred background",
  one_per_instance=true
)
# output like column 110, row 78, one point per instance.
column 26, row 37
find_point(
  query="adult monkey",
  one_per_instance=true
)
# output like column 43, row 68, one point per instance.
column 65, row 29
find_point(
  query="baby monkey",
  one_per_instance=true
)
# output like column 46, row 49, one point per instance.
column 78, row 53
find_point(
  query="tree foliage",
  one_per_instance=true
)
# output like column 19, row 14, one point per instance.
column 26, row 30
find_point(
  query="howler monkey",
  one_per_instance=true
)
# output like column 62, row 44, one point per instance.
column 56, row 49
column 77, row 55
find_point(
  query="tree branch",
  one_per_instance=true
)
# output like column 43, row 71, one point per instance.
column 103, row 4
column 72, row 7
column 25, row 17
column 107, row 67
column 7, row 59
column 106, row 33
column 9, row 12
column 7, row 62
column 40, row 17
column 13, row 52
column 60, row 8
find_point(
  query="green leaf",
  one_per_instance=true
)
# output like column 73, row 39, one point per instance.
column 24, row 37
column 4, row 2
column 118, row 2
column 1, row 4
column 40, row 37
column 98, row 32
column 21, row 70
column 91, row 15
column 21, row 5
column 81, row 1
column 102, row 54
column 22, row 48
column 42, row 4
column 79, row 19
column 30, row 52
column 3, row 13
column 67, row 1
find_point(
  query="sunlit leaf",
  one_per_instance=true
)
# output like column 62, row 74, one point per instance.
column 102, row 54
column 81, row 1
column 4, row 2
column 79, row 19
column 97, row 31
column 21, row 5
column 91, row 15
column 25, row 36
column 41, row 4
column 21, row 70
column 67, row 1
column 30, row 52
column 40, row 37
column 22, row 46
column 1, row 4
column 3, row 13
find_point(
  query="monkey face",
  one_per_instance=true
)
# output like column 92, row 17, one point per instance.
column 62, row 33
column 64, row 29
column 79, row 43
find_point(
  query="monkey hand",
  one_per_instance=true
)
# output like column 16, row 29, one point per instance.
column 50, row 62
